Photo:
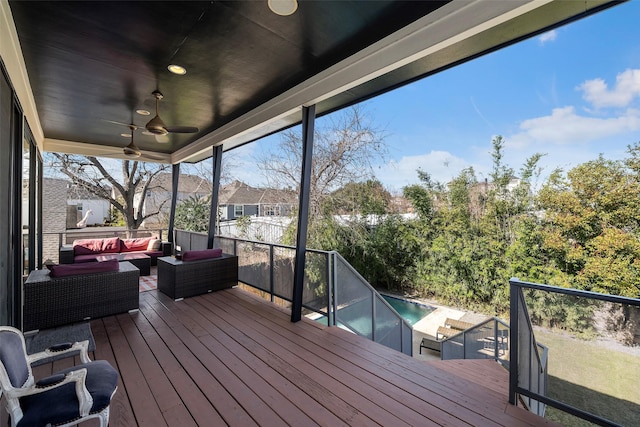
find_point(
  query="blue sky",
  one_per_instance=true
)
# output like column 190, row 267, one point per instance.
column 572, row 93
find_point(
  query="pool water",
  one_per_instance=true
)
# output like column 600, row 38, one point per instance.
column 412, row 312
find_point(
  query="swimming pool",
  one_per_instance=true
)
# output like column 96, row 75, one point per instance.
column 412, row 312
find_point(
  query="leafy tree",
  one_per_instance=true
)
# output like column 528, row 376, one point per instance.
column 467, row 230
column 193, row 213
column 126, row 194
column 590, row 231
column 359, row 198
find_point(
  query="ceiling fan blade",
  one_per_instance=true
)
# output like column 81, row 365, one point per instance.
column 143, row 158
column 182, row 129
column 157, row 127
column 118, row 123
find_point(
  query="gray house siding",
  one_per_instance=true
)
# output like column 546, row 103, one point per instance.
column 250, row 210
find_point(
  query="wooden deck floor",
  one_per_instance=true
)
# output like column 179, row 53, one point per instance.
column 229, row 358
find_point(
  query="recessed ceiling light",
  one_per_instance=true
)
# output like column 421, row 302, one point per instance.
column 146, row 132
column 125, row 135
column 283, row 7
column 177, row 69
column 143, row 112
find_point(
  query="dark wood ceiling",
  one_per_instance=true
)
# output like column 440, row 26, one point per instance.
column 93, row 63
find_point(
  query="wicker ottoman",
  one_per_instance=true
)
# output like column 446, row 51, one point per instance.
column 179, row 279
column 141, row 261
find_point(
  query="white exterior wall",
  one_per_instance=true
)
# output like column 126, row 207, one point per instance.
column 100, row 209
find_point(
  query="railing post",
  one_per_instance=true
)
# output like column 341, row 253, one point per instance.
column 330, row 284
column 334, row 289
column 496, row 349
column 373, row 316
column 464, row 344
column 514, row 292
column 271, row 275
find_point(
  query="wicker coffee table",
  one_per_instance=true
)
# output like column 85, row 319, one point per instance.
column 141, row 261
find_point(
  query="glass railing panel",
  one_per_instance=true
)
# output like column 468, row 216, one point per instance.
column 181, row 238
column 480, row 342
column 283, row 266
column 227, row 245
column 315, row 293
column 199, row 241
column 487, row 340
column 388, row 328
column 453, row 348
column 407, row 339
column 528, row 366
column 254, row 264
column 354, row 302
column 502, row 343
column 357, row 316
column 190, row 240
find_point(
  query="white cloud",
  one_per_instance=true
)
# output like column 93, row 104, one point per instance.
column 441, row 165
column 564, row 126
column 549, row 36
column 626, row 89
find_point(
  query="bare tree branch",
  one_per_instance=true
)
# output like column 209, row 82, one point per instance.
column 91, row 174
column 344, row 151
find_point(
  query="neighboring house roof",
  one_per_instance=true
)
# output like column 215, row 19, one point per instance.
column 186, row 184
column 76, row 192
column 239, row 193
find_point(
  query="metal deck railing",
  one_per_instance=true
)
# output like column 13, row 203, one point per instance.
column 529, row 365
column 334, row 292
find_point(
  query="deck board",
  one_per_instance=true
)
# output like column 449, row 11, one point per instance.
column 230, row 358
column 350, row 371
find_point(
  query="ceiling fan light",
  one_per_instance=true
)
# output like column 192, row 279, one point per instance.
column 131, row 151
column 156, row 126
column 177, row 69
column 283, row 7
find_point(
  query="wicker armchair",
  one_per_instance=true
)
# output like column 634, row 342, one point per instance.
column 50, row 302
column 179, row 279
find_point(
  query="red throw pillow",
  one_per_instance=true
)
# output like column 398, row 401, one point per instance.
column 134, row 245
column 63, row 270
column 96, row 246
column 203, row 254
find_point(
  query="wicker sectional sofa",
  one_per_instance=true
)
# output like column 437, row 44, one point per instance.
column 55, row 301
column 87, row 250
column 180, row 279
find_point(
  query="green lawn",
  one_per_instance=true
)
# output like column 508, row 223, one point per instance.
column 591, row 377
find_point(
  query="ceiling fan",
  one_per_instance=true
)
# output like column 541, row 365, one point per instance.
column 157, row 127
column 133, row 152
